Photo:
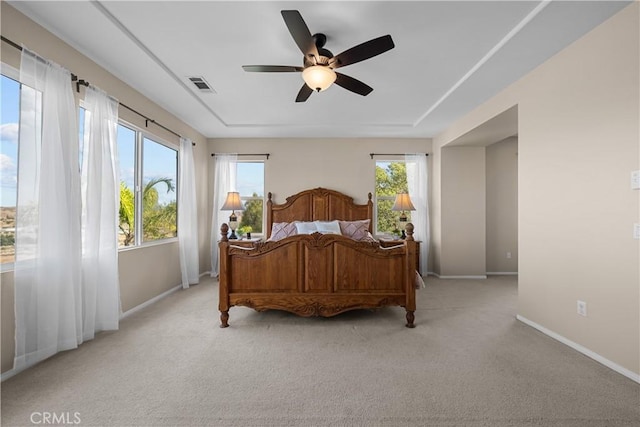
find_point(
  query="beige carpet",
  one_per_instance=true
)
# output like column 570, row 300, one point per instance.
column 468, row 362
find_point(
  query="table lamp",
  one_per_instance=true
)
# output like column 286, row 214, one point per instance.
column 233, row 203
column 402, row 204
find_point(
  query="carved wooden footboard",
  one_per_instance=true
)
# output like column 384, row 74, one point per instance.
column 317, row 274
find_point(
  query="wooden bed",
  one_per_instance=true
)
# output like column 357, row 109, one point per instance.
column 317, row 274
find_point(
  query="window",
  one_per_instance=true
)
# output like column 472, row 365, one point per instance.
column 250, row 184
column 148, row 182
column 10, row 105
column 391, row 179
column 159, row 179
column 148, row 214
column 127, row 159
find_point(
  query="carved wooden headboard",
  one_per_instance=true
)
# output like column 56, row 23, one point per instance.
column 318, row 204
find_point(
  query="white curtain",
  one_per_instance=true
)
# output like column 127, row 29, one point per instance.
column 48, row 246
column 100, row 207
column 224, row 181
column 187, row 216
column 418, row 185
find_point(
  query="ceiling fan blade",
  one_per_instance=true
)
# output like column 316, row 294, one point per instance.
column 354, row 85
column 363, row 51
column 272, row 68
column 300, row 32
column 305, row 92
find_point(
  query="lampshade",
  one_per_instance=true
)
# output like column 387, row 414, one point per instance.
column 403, row 203
column 233, row 202
column 318, row 77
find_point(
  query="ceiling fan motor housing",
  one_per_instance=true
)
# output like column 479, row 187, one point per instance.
column 325, row 55
column 323, row 59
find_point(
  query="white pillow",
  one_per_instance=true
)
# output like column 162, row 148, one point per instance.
column 328, row 227
column 306, row 227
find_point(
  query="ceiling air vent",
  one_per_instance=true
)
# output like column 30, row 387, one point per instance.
column 201, row 84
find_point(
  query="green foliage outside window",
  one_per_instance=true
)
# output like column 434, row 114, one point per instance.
column 159, row 221
column 391, row 179
column 7, row 239
column 127, row 216
column 252, row 216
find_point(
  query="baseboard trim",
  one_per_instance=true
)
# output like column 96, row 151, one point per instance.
column 595, row 356
column 502, row 273
column 149, row 302
column 13, row 372
column 439, row 276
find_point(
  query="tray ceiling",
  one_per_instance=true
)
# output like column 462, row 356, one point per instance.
column 450, row 57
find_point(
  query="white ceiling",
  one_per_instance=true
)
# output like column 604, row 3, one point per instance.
column 450, row 56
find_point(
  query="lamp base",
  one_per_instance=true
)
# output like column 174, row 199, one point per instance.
column 234, row 237
column 403, row 236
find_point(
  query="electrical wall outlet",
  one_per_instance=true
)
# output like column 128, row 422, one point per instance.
column 508, row 255
column 635, row 180
column 636, row 231
column 582, row 308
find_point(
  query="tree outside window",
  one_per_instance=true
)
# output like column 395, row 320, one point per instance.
column 250, row 183
column 153, row 209
column 151, row 212
column 391, row 179
column 127, row 140
column 159, row 205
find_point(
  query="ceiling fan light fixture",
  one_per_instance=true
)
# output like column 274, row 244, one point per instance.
column 318, row 77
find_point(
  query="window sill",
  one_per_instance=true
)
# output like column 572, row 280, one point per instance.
column 149, row 244
column 10, row 266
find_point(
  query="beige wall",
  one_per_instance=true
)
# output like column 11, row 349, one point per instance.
column 463, row 212
column 502, row 206
column 435, row 206
column 578, row 141
column 144, row 272
column 341, row 164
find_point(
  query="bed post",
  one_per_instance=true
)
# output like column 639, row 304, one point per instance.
column 411, row 270
column 269, row 214
column 223, row 277
column 370, row 211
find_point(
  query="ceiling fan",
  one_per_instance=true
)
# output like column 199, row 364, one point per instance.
column 319, row 63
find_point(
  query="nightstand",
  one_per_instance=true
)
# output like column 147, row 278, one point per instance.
column 245, row 243
column 386, row 243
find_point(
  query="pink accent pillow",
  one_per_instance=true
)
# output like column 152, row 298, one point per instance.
column 369, row 238
column 280, row 230
column 357, row 230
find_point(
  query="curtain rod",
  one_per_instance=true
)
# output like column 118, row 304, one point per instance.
column 392, row 154
column 82, row 82
column 18, row 47
column 239, row 155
